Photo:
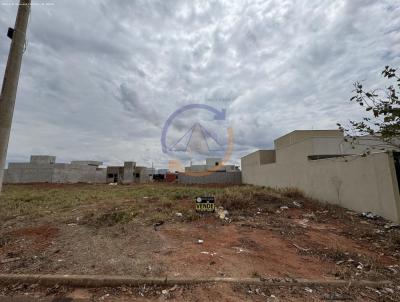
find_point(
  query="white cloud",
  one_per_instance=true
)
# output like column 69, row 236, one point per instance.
column 100, row 78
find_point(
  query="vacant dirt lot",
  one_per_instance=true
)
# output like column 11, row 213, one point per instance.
column 153, row 230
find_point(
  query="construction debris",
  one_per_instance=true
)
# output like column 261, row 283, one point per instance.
column 369, row 215
column 303, row 223
column 221, row 213
column 281, row 209
column 297, row 204
column 272, row 298
column 388, row 290
column 309, row 215
column 389, row 226
column 393, row 269
column 239, row 250
column 301, row 248
column 208, row 253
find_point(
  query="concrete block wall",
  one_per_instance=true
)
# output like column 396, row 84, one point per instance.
column 53, row 173
column 44, row 169
column 87, row 162
column 129, row 172
column 43, row 159
column 143, row 174
column 100, row 176
column 212, row 178
column 69, row 173
column 29, row 175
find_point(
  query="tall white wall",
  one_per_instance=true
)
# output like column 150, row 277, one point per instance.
column 355, row 182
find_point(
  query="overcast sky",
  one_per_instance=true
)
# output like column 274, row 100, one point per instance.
column 101, row 77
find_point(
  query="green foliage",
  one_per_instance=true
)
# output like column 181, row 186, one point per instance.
column 383, row 108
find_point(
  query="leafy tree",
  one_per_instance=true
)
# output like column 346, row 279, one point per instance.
column 383, row 108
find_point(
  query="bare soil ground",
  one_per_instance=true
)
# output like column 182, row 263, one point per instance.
column 135, row 230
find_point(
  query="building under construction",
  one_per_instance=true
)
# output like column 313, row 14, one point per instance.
column 44, row 169
column 213, row 172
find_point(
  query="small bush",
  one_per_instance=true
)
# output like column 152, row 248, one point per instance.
column 109, row 219
column 158, row 217
column 235, row 198
column 190, row 215
column 114, row 218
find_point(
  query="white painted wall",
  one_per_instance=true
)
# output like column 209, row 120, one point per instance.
column 355, row 182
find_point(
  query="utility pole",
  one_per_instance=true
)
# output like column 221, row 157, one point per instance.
column 10, row 81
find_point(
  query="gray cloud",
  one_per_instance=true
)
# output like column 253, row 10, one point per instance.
column 100, row 78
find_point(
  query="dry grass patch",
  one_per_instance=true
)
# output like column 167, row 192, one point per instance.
column 250, row 198
column 292, row 193
column 38, row 200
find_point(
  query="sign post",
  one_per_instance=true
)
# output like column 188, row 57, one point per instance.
column 205, row 204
